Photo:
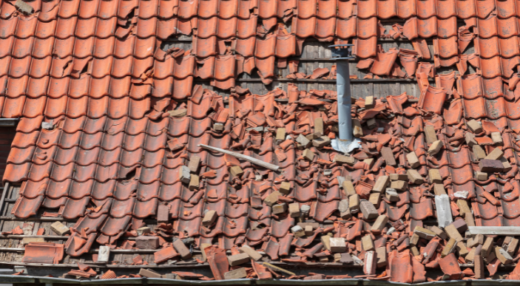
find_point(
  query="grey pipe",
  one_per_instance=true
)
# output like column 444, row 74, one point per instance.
column 344, row 101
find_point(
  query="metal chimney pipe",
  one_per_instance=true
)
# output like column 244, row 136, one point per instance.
column 341, row 53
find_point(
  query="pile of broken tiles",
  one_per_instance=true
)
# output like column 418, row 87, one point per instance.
column 399, row 206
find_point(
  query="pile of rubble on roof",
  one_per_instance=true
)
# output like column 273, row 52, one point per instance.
column 397, row 206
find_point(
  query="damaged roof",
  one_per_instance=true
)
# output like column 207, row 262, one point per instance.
column 109, row 177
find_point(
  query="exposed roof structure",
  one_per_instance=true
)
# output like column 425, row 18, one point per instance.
column 107, row 170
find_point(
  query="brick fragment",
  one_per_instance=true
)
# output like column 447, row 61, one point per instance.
column 388, row 156
column 413, row 160
column 354, row 203
column 309, row 230
column 512, row 246
column 369, row 162
column 209, row 218
column 439, row 190
column 294, row 210
column 178, row 112
column 475, row 126
column 462, row 249
column 280, row 134
column 429, row 132
column 337, row 244
column 308, row 154
column 439, row 232
column 479, row 267
column 497, row 138
column 184, row 175
column 380, row 223
column 325, row 239
column 143, row 230
column 181, row 248
column 194, row 163
column 470, row 139
column 479, row 152
column 367, row 242
column 414, row 239
column 369, row 102
column 285, row 187
column 255, row 255
column 147, row 242
column 375, row 198
column 503, row 256
column 435, row 148
column 495, row 154
column 272, row 198
column 298, row 231
column 236, row 171
column 460, row 225
column 368, row 210
column 24, row 7
column 348, row 188
column 303, row 141
column 450, row 246
column 424, row 233
column 59, row 228
column 381, row 257
column 414, row 177
column 398, row 177
column 452, row 232
column 279, row 208
column 344, row 159
column 435, row 176
column 490, row 166
column 203, row 247
column 194, row 181
column 358, row 129
column 318, row 127
column 27, row 240
column 506, row 166
column 344, row 209
column 236, row 274
column 381, row 184
column 238, row 259
column 321, row 141
column 481, row 176
column 392, row 195
column 219, row 127
column 400, row 185
column 463, row 207
column 346, row 258
column 476, row 240
column 487, row 247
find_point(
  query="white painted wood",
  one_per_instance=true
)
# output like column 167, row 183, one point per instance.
column 243, row 157
column 103, row 254
column 444, row 216
column 495, row 230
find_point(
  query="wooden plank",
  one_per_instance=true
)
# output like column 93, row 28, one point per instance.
column 495, row 230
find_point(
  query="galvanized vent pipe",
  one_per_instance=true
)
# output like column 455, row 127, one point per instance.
column 342, row 55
